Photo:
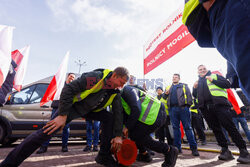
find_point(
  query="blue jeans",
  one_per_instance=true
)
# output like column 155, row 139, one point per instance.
column 96, row 125
column 65, row 133
column 243, row 122
column 230, row 25
column 178, row 114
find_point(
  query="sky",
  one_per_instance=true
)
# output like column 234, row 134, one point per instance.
column 102, row 33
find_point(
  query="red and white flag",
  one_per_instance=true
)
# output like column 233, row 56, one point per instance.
column 21, row 58
column 6, row 33
column 167, row 40
column 55, row 87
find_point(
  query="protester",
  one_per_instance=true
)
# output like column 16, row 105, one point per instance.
column 87, row 97
column 179, row 100
column 143, row 115
column 225, row 25
column 213, row 102
column 65, row 133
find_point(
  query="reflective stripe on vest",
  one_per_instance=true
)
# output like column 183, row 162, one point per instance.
column 149, row 109
column 193, row 110
column 165, row 104
column 184, row 91
column 190, row 5
column 214, row 89
column 96, row 88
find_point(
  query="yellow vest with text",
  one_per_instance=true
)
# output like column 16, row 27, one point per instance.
column 149, row 108
column 96, row 88
column 214, row 89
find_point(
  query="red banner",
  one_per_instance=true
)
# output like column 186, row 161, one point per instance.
column 169, row 39
column 168, row 48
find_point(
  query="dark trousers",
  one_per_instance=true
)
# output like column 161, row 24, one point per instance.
column 141, row 135
column 35, row 140
column 218, row 116
column 197, row 125
column 164, row 131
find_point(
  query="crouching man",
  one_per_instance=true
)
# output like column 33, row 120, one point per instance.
column 143, row 115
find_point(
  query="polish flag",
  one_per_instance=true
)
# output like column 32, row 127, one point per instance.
column 55, row 87
column 21, row 58
column 6, row 33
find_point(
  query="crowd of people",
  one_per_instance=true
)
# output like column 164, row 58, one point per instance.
column 130, row 112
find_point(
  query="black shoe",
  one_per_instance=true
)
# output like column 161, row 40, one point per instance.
column 87, row 148
column 95, row 149
column 244, row 157
column 195, row 152
column 180, row 151
column 170, row 157
column 106, row 160
column 65, row 149
column 42, row 149
column 225, row 154
column 144, row 158
column 203, row 142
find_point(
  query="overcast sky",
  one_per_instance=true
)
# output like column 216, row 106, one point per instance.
column 104, row 33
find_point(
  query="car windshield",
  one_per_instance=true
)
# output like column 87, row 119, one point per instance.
column 32, row 94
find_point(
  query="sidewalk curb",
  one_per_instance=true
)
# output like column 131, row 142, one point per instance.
column 210, row 150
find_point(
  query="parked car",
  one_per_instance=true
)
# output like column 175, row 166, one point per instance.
column 22, row 114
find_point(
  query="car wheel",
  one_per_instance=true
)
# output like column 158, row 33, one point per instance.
column 2, row 133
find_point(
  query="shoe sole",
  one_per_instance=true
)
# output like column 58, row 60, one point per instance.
column 231, row 158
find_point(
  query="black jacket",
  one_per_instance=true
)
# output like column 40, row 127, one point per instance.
column 203, row 94
column 130, row 95
column 92, row 101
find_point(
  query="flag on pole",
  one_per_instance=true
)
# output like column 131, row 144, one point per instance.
column 21, row 58
column 55, row 87
column 6, row 33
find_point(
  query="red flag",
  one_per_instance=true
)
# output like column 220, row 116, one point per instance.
column 55, row 87
column 21, row 58
column 182, row 130
column 6, row 33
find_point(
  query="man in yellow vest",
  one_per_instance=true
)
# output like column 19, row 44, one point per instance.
column 225, row 25
column 164, row 131
column 143, row 115
column 211, row 92
column 179, row 100
column 88, row 97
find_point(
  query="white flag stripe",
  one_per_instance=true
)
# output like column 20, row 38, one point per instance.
column 239, row 101
column 19, row 77
column 61, row 76
column 6, row 33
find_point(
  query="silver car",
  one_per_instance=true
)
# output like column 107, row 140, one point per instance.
column 22, row 114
